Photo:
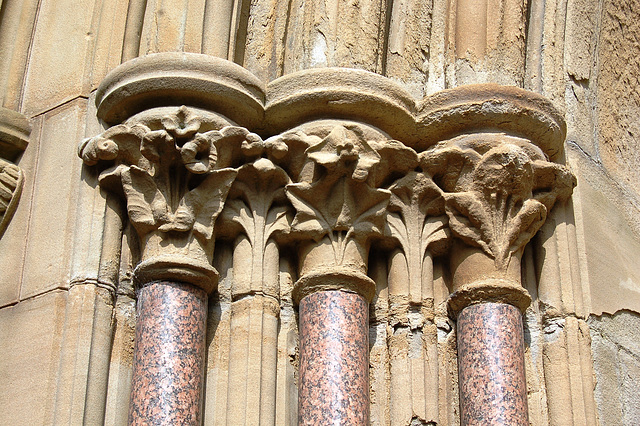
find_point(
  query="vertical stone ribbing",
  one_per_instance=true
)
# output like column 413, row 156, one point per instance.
column 334, row 361
column 168, row 365
column 493, row 388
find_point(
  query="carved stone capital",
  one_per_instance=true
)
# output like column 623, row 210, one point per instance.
column 174, row 166
column 14, row 137
column 498, row 185
column 177, row 139
column 338, row 168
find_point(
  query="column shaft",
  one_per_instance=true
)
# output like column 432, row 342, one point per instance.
column 491, row 365
column 334, row 359
column 168, row 364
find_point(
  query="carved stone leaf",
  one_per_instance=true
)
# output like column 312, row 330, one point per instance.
column 199, row 155
column 434, row 231
column 468, row 219
column 277, row 220
column 11, row 182
column 120, row 142
column 289, row 149
column 371, row 221
column 205, row 201
column 234, row 144
column 145, row 203
column 236, row 211
column 395, row 157
column 308, row 219
column 398, row 229
column 552, row 182
column 342, row 146
column 525, row 224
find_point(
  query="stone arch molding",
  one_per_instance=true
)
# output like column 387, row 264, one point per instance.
column 329, row 159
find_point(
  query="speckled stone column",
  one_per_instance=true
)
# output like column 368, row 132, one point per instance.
column 168, row 364
column 334, row 361
column 493, row 388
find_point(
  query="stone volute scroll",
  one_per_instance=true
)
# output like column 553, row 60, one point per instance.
column 339, row 167
column 172, row 154
column 498, row 185
column 14, row 137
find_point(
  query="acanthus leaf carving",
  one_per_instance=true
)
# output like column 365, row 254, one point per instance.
column 417, row 220
column 338, row 196
column 174, row 167
column 497, row 189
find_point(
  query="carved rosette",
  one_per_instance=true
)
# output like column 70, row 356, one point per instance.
column 498, row 187
column 174, row 166
column 339, row 203
column 14, row 137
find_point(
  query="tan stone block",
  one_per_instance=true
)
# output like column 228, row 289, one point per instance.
column 51, row 228
column 172, row 26
column 607, row 391
column 60, row 51
column 325, row 34
column 106, row 41
column 13, row 241
column 618, row 103
column 611, row 236
column 16, row 29
column 84, row 360
column 409, row 44
column 31, row 332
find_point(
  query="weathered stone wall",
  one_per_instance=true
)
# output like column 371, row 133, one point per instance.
column 67, row 303
column 615, row 340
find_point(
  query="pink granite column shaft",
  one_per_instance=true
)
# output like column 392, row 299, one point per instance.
column 334, row 359
column 493, row 387
column 168, row 363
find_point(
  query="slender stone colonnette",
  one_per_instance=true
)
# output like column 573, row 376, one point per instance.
column 470, row 177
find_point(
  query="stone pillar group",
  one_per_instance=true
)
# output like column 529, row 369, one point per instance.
column 323, row 164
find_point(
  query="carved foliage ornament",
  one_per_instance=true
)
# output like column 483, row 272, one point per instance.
column 337, row 193
column 14, row 138
column 497, row 189
column 11, row 181
column 256, row 207
column 417, row 220
column 338, row 198
column 174, row 167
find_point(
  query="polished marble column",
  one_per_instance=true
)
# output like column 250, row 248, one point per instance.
column 168, row 364
column 493, row 387
column 334, row 361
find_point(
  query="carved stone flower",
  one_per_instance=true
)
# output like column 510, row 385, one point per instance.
column 344, row 152
column 182, row 125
